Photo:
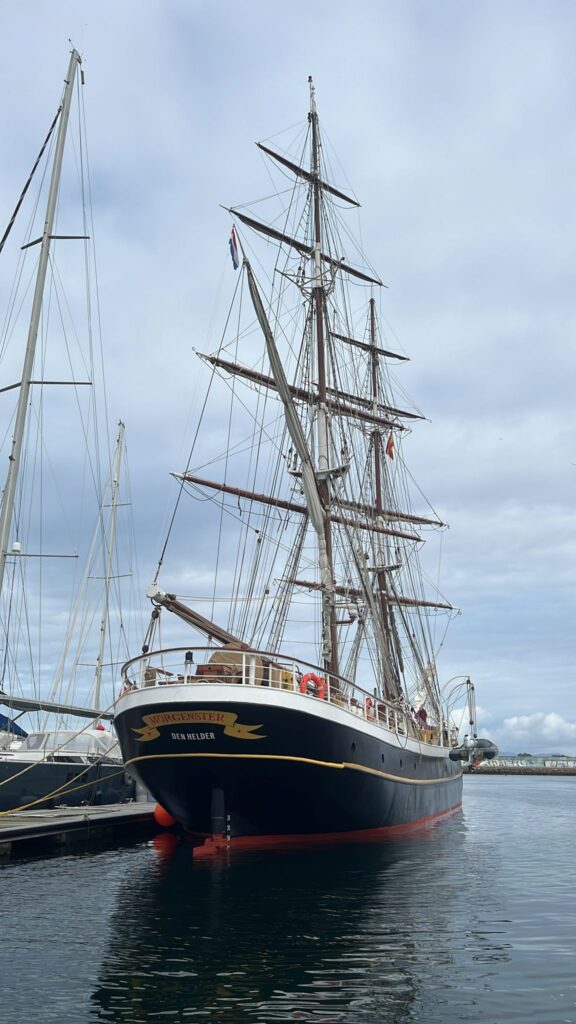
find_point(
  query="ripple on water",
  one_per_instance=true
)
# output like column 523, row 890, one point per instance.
column 470, row 921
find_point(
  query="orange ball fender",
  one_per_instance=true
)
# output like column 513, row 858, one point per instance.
column 320, row 688
column 162, row 817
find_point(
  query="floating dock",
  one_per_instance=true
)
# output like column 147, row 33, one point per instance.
column 30, row 833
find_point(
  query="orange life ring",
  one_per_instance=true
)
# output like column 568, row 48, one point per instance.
column 319, row 684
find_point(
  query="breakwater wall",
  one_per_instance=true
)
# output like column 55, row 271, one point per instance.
column 528, row 765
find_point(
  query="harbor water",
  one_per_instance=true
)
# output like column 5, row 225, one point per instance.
column 473, row 920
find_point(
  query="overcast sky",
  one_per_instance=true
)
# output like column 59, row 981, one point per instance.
column 454, row 123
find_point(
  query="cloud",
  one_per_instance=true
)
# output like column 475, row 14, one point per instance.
column 483, row 715
column 459, row 718
column 454, row 124
column 542, row 731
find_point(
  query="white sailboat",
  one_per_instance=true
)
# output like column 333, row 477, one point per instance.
column 57, row 762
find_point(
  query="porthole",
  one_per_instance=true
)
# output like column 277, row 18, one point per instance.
column 353, row 748
column 382, row 756
column 400, row 762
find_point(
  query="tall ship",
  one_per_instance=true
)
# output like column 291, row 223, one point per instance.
column 311, row 707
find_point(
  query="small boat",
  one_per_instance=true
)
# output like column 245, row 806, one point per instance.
column 312, row 709
column 64, row 767
column 56, row 764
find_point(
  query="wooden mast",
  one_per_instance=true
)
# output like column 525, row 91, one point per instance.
column 391, row 686
column 329, row 625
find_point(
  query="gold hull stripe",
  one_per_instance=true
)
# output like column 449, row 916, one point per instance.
column 301, row 760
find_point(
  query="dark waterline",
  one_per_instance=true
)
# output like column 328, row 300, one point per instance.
column 472, row 920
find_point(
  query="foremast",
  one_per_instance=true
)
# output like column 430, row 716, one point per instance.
column 315, row 477
column 329, row 626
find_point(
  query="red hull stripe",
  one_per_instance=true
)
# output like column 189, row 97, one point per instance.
column 218, row 844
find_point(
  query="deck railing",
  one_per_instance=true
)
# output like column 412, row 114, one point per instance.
column 201, row 665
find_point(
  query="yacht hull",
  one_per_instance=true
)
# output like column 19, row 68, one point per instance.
column 44, row 785
column 283, row 765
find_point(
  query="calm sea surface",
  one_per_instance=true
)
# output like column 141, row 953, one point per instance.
column 473, row 920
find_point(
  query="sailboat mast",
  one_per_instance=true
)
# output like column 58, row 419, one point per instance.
column 109, row 562
column 7, row 510
column 329, row 627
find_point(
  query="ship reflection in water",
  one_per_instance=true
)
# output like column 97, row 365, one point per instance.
column 471, row 922
column 359, row 933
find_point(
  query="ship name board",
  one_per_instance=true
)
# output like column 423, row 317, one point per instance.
column 150, row 729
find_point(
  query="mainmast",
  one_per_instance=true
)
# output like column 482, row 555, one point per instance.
column 391, row 683
column 329, row 627
column 6, row 513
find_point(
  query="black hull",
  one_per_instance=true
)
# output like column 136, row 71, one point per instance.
column 34, row 785
column 300, row 775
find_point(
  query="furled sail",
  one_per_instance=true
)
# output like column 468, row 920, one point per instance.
column 307, row 396
column 303, row 247
column 301, row 172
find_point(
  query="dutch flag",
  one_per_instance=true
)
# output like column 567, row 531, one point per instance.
column 234, row 248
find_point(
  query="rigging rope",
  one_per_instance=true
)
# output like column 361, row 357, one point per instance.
column 193, row 446
column 27, row 185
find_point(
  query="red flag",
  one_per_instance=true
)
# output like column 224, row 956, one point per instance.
column 390, row 446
